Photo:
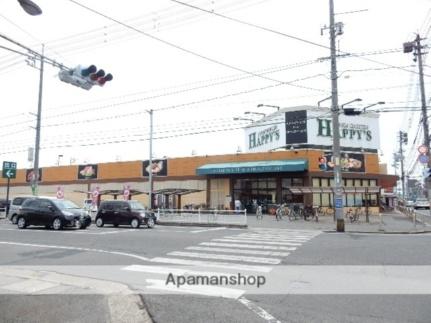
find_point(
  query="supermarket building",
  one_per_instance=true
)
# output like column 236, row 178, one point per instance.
column 288, row 158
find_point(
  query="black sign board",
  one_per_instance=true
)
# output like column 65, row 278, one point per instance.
column 159, row 168
column 349, row 162
column 29, row 175
column 296, row 127
column 88, row 171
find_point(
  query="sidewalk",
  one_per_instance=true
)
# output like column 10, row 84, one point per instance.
column 65, row 298
column 392, row 222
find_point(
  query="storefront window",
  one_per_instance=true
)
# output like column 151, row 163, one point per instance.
column 252, row 192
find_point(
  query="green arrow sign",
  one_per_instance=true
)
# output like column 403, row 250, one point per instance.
column 9, row 169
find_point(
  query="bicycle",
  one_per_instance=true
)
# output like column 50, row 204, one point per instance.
column 259, row 214
column 354, row 215
column 280, row 212
column 295, row 213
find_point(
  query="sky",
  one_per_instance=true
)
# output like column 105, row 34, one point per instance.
column 198, row 70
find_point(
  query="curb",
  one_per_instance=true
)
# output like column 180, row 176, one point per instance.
column 124, row 305
column 381, row 232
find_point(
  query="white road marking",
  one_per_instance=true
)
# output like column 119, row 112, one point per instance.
column 200, row 290
column 238, row 245
column 75, row 248
column 258, row 310
column 249, row 252
column 205, row 230
column 171, row 270
column 265, row 239
column 272, row 261
column 259, row 242
column 226, row 265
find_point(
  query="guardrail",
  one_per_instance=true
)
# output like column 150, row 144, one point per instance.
column 202, row 217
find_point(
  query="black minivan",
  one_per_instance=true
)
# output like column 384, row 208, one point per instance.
column 52, row 213
column 129, row 212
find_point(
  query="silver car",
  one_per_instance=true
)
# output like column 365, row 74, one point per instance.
column 15, row 206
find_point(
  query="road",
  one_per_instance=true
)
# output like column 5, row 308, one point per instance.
column 310, row 276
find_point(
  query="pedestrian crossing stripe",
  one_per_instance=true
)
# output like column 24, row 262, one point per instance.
column 259, row 242
column 261, row 260
column 238, row 245
column 250, row 252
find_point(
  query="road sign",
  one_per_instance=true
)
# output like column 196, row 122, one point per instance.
column 9, row 169
column 338, row 203
column 423, row 149
column 423, row 159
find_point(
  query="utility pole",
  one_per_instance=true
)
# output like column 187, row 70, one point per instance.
column 35, row 177
column 402, row 136
column 150, row 162
column 338, row 192
column 416, row 47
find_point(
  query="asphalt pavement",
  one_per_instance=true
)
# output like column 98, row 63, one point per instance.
column 312, row 273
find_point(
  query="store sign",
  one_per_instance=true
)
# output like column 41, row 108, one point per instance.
column 159, row 167
column 312, row 126
column 265, row 137
column 349, row 162
column 296, row 127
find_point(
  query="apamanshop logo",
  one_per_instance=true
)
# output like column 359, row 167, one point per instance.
column 215, row 280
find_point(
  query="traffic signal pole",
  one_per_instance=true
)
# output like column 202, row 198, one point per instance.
column 338, row 192
column 401, row 152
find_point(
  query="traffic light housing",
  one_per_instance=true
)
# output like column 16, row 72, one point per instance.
column 404, row 137
column 85, row 77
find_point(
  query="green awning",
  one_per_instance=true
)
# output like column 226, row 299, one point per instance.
column 264, row 166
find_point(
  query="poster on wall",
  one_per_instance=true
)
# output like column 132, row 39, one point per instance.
column 159, row 167
column 350, row 162
column 29, row 175
column 296, row 127
column 87, row 171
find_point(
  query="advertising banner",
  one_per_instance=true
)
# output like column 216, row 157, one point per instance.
column 29, row 175
column 158, row 168
column 296, row 127
column 87, row 171
column 349, row 162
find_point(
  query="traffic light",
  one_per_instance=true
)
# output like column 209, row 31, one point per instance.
column 85, row 77
column 404, row 137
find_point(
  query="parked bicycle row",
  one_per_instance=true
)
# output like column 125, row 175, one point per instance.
column 311, row 213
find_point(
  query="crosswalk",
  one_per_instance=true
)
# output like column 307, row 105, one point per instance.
column 254, row 252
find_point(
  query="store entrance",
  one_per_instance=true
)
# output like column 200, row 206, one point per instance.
column 254, row 192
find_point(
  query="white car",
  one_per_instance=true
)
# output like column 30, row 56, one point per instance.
column 422, row 203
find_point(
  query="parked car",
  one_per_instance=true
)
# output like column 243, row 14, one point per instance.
column 118, row 212
column 3, row 205
column 422, row 203
column 52, row 213
column 410, row 203
column 15, row 206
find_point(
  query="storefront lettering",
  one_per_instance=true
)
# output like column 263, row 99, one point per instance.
column 263, row 137
column 347, row 130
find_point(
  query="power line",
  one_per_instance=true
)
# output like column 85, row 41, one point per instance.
column 283, row 34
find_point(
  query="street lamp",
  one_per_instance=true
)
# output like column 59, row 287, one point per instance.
column 30, row 7
column 258, row 113
column 269, row 106
column 371, row 105
column 318, row 102
column 355, row 100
